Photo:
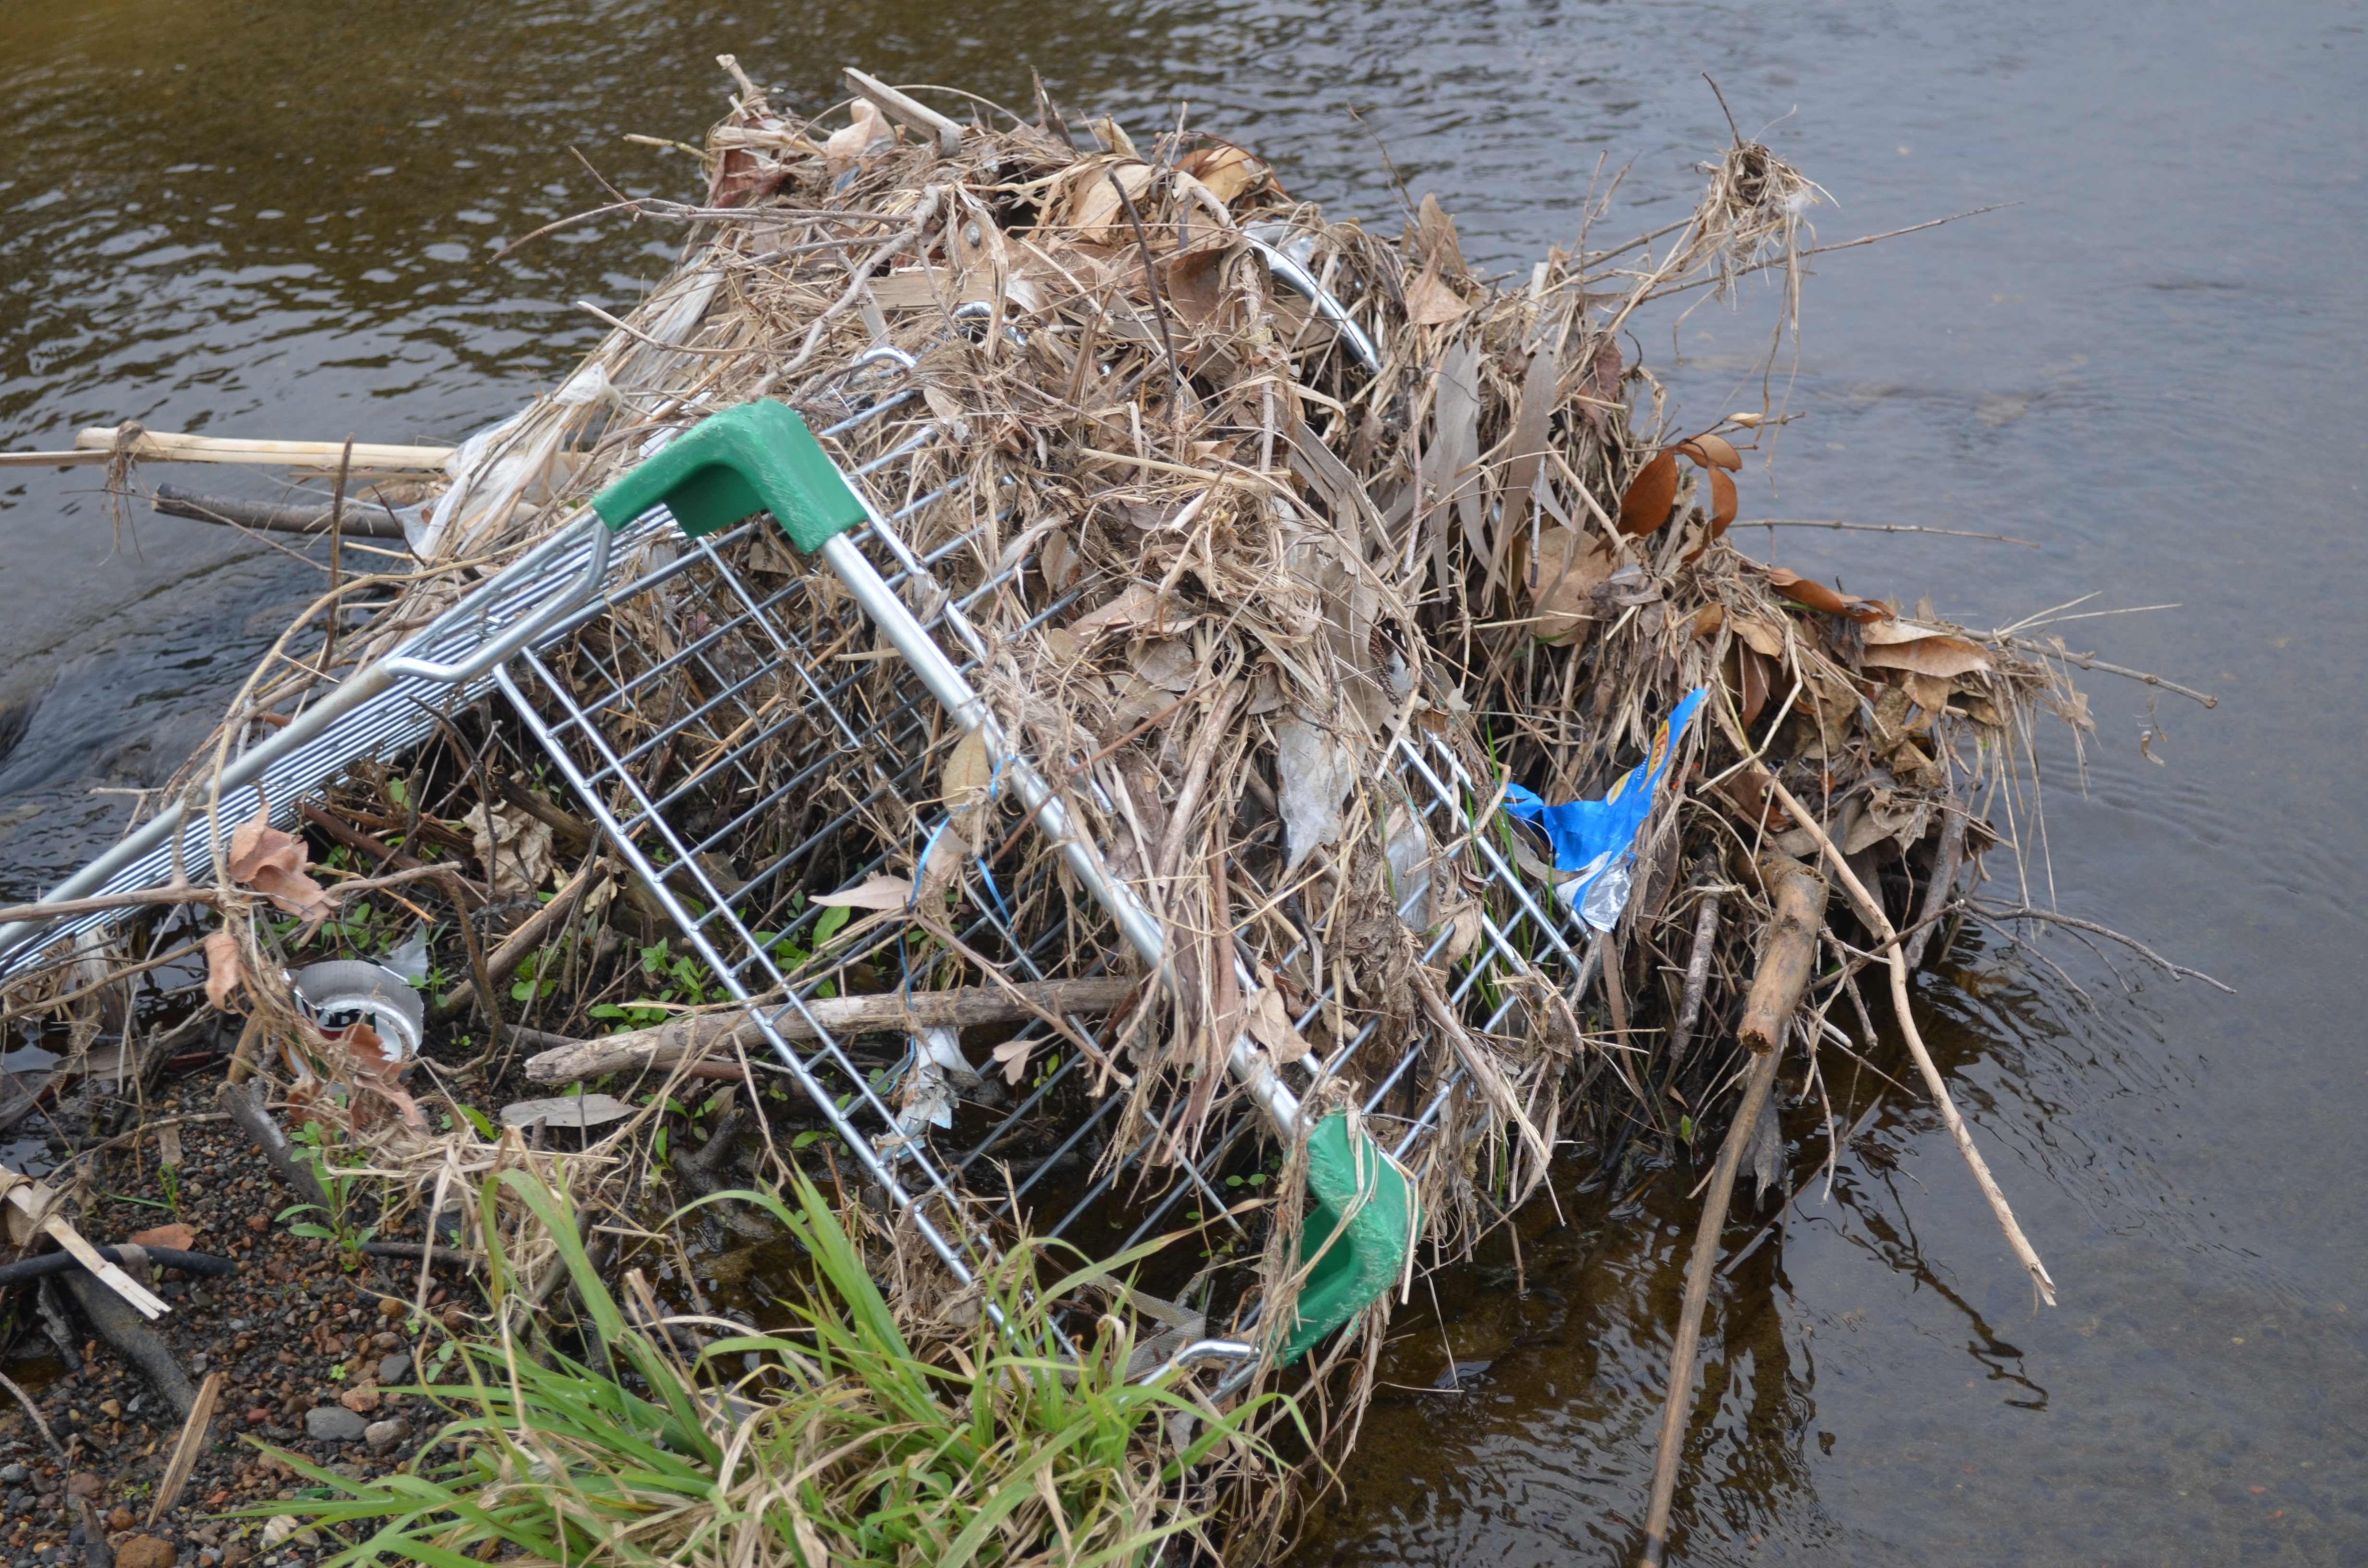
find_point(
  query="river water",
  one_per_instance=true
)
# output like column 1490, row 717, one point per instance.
column 277, row 220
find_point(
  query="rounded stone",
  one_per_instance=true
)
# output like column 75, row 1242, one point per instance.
column 332, row 1424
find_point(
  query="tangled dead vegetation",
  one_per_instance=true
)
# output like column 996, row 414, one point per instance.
column 1297, row 555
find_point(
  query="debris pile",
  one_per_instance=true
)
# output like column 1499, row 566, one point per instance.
column 1332, row 582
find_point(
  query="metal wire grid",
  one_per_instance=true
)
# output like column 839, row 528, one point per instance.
column 740, row 694
column 387, row 723
column 393, row 720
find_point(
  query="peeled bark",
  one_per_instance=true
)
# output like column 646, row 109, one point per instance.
column 1791, row 956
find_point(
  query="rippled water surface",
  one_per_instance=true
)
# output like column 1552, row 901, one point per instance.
column 279, row 219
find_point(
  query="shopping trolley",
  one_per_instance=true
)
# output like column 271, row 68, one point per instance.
column 692, row 699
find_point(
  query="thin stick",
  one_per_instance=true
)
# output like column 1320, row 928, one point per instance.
column 1759, row 1080
column 1881, row 528
column 178, row 892
column 38, row 1424
column 2179, row 972
column 337, row 558
column 1151, row 282
column 1697, row 978
column 522, row 941
column 1663, row 293
column 1870, row 910
column 2089, row 662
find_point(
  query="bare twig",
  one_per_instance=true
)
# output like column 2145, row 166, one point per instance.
column 2177, row 971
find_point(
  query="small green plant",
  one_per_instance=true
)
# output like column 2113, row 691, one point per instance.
column 526, row 987
column 317, row 1150
column 168, row 1176
column 851, row 1447
column 681, row 981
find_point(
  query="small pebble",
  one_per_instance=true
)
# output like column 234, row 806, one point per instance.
column 145, row 1551
column 387, row 1307
column 394, row 1369
column 236, row 1326
column 258, row 1415
column 14, row 1474
column 334, row 1424
column 258, row 1222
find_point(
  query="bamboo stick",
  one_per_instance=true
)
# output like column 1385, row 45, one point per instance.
column 157, row 446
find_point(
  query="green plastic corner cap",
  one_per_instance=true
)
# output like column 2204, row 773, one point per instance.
column 756, row 458
column 1361, row 1218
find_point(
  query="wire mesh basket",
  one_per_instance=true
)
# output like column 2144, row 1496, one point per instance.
column 748, row 733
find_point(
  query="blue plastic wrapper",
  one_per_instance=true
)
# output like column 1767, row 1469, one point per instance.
column 1597, row 839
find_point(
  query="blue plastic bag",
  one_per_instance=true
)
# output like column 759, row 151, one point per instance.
column 1597, row 839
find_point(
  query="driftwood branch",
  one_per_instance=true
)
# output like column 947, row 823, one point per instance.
column 1759, row 1082
column 1870, row 908
column 1799, row 896
column 717, row 1033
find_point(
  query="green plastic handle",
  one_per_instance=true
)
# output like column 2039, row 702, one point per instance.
column 756, row 458
column 1360, row 1219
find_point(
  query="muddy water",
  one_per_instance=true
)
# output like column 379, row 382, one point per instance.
column 270, row 219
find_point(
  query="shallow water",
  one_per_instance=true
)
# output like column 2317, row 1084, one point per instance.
column 270, row 219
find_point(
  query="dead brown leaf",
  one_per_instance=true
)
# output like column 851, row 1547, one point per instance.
column 1097, row 213
column 1650, row 496
column 1812, row 594
column 372, row 1065
column 1723, row 502
column 1137, row 608
column 877, row 891
column 1269, row 1023
column 1225, row 169
column 1430, row 303
column 272, row 863
column 1941, row 657
column 1713, row 451
column 1754, row 670
column 225, row 970
column 514, row 849
column 1562, row 580
column 867, row 128
column 1531, row 428
column 1762, row 637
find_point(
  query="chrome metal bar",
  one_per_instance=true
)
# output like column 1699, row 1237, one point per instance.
column 316, row 719
column 1249, row 1065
